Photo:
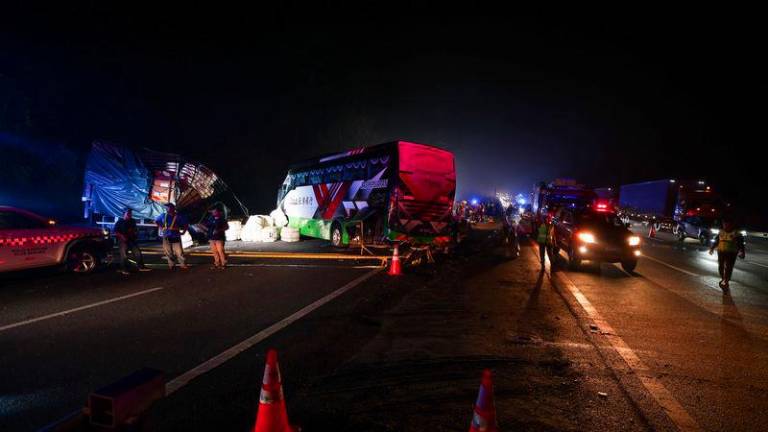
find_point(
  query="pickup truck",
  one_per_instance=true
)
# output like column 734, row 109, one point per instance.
column 28, row 241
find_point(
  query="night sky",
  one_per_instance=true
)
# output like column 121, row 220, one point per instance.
column 607, row 98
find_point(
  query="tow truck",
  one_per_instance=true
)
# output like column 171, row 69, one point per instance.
column 28, row 241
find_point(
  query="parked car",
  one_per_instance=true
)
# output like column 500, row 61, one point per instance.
column 703, row 229
column 29, row 241
column 595, row 235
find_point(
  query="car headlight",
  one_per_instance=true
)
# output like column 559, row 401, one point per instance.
column 743, row 233
column 714, row 231
column 634, row 241
column 587, row 237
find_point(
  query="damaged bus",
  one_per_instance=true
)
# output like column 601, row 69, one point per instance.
column 397, row 191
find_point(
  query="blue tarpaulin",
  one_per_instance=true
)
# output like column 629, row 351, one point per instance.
column 116, row 179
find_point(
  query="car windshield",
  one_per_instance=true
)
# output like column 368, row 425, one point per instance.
column 600, row 219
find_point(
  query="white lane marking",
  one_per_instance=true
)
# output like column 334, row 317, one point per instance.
column 621, row 269
column 184, row 379
column 663, row 397
column 671, row 266
column 77, row 309
column 165, row 266
column 308, row 266
column 754, row 263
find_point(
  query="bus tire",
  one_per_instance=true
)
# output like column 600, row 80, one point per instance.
column 337, row 235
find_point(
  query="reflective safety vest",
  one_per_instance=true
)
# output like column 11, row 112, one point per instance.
column 543, row 234
column 173, row 223
column 727, row 242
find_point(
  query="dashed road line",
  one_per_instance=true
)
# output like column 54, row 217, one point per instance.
column 754, row 263
column 671, row 266
column 674, row 410
column 184, row 379
column 77, row 309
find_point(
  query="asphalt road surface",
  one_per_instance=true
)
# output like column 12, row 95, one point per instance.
column 598, row 349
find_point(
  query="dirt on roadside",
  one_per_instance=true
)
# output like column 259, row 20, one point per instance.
column 421, row 370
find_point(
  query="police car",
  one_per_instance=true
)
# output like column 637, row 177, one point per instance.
column 30, row 241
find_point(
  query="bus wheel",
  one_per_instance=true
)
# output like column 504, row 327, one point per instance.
column 337, row 238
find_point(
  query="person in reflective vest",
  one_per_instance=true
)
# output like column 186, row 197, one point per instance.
column 729, row 244
column 544, row 237
column 172, row 225
column 127, row 240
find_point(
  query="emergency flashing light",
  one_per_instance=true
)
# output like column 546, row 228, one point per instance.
column 474, row 201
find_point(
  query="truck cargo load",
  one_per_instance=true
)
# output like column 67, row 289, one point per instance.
column 118, row 177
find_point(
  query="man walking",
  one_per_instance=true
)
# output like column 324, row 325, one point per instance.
column 729, row 244
column 544, row 239
column 217, row 228
column 172, row 225
column 127, row 240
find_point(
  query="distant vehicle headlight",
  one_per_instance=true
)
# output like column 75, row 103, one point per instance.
column 743, row 232
column 587, row 237
column 715, row 230
column 634, row 240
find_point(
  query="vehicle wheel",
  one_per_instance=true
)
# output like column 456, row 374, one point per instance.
column 703, row 239
column 680, row 234
column 573, row 261
column 82, row 261
column 629, row 266
column 337, row 237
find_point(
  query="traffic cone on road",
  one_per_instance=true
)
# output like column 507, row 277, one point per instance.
column 394, row 266
column 484, row 417
column 272, row 415
column 652, row 232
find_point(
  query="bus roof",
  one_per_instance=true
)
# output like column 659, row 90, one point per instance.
column 329, row 157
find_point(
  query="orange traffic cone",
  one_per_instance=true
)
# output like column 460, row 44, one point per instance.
column 484, row 418
column 272, row 415
column 394, row 266
column 652, row 232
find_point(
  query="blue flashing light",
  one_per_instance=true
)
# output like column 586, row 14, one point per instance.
column 474, row 201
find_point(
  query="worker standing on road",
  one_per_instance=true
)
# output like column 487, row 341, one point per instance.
column 544, row 239
column 172, row 225
column 729, row 244
column 217, row 228
column 127, row 239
